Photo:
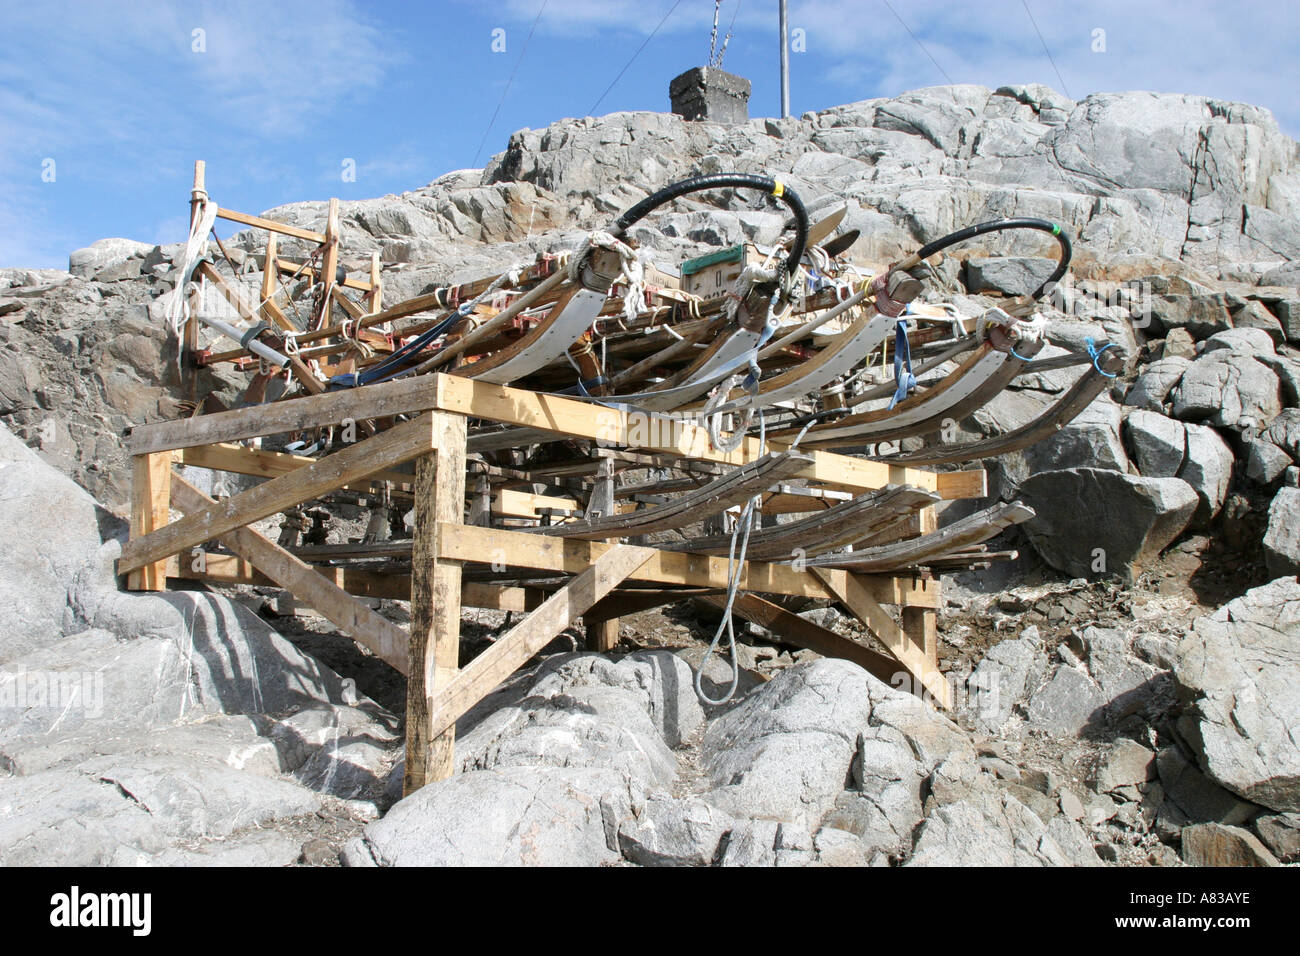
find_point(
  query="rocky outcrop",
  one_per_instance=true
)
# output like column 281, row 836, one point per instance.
column 1114, row 522
column 1238, row 671
column 133, row 723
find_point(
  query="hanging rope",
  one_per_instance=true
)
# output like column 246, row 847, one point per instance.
column 735, row 562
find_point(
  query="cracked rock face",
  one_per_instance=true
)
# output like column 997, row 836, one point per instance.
column 1238, row 670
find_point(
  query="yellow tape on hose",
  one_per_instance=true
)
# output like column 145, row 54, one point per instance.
column 778, row 189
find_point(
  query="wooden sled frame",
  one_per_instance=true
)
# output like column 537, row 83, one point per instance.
column 443, row 544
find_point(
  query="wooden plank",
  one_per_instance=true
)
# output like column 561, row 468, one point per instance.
column 572, row 556
column 971, row 483
column 856, row 597
column 921, row 625
column 522, row 504
column 269, row 464
column 330, row 408
column 260, row 223
column 375, row 296
column 151, row 477
column 534, row 632
column 351, row 616
column 399, row 444
column 656, row 433
column 228, row 569
column 435, row 601
column 793, row 629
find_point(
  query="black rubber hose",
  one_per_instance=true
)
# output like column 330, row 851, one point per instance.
column 1004, row 225
column 718, row 181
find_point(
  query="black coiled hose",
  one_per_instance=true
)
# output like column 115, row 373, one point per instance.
column 1004, row 225
column 718, row 181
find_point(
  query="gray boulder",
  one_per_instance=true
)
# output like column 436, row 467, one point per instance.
column 1069, row 704
column 1156, row 443
column 1246, row 340
column 1280, row 832
column 1282, row 537
column 1228, row 389
column 509, row 816
column 1284, row 432
column 995, row 829
column 1207, row 467
column 1201, row 315
column 1238, row 670
column 1213, row 844
column 1155, row 383
column 105, row 254
column 1091, row 521
column 1265, row 462
column 674, row 832
column 1008, row 275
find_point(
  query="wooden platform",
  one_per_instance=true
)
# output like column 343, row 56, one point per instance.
column 461, row 553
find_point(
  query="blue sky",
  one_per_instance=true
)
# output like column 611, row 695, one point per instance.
column 116, row 95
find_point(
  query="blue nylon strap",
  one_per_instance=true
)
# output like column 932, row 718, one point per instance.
column 903, row 376
column 1094, row 353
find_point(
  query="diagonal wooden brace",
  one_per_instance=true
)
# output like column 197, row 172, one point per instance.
column 855, row 596
column 353, row 617
column 532, row 634
column 399, row 444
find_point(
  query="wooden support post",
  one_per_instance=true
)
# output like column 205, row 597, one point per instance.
column 269, row 269
column 529, row 636
column 329, row 260
column 480, row 504
column 375, row 297
column 198, row 196
column 150, row 503
column 435, row 601
column 602, row 634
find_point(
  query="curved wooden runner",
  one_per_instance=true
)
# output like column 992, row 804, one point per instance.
column 957, row 536
column 1080, row 395
column 727, row 491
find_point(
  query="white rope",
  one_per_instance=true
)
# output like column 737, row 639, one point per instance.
column 196, row 247
column 633, row 273
column 735, row 562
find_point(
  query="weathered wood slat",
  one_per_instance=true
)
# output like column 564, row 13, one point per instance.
column 957, row 536
column 718, row 495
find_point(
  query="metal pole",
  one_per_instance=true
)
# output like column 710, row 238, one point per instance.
column 785, row 65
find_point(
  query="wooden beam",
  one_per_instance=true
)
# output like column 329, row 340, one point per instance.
column 268, row 464
column 533, row 633
column 399, row 444
column 856, row 597
column 656, row 433
column 435, row 601
column 329, row 408
column 970, row 483
column 375, row 296
column 793, row 629
column 151, row 477
column 572, row 556
column 351, row 616
column 228, row 569
column 259, row 223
